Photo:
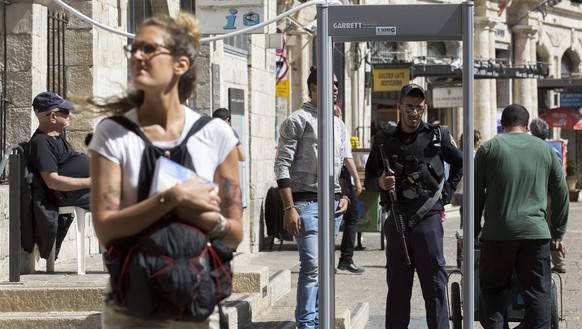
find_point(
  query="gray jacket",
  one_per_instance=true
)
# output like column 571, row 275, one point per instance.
column 296, row 162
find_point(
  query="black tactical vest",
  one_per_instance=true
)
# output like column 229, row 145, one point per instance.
column 416, row 161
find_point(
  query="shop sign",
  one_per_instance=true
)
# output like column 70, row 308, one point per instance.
column 391, row 79
column 571, row 99
column 224, row 16
column 446, row 97
column 282, row 88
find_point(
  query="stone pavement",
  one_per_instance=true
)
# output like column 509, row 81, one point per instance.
column 369, row 287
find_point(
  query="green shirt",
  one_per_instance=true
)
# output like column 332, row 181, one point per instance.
column 514, row 172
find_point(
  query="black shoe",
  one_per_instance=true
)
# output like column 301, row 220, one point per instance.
column 351, row 268
column 560, row 270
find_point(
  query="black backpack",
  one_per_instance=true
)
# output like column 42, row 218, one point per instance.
column 171, row 270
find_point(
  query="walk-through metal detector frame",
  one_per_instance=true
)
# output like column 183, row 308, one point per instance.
column 358, row 23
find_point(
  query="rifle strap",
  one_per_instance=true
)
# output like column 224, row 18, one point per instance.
column 417, row 217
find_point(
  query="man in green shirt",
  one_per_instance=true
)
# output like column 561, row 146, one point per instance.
column 514, row 172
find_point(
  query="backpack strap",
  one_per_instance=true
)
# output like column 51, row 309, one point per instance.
column 436, row 135
column 133, row 127
column 199, row 124
column 417, row 217
column 151, row 152
column 129, row 125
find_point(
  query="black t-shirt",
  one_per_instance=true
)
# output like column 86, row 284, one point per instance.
column 55, row 154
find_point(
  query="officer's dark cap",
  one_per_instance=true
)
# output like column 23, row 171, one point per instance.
column 412, row 90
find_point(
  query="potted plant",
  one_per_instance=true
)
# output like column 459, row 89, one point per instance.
column 571, row 178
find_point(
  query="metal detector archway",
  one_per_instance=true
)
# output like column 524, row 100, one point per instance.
column 353, row 23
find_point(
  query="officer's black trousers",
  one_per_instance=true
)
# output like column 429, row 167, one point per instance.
column 425, row 246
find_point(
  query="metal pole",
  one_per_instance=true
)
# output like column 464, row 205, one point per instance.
column 15, row 213
column 468, row 174
column 48, row 52
column 325, row 171
column 58, row 53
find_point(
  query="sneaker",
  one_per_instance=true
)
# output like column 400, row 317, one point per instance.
column 350, row 267
column 560, row 270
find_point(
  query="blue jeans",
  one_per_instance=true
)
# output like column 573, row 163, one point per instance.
column 307, row 311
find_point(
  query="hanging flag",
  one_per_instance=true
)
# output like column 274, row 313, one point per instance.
column 542, row 9
column 504, row 4
column 546, row 3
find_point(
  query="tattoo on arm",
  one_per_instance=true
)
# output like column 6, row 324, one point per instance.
column 231, row 195
column 112, row 196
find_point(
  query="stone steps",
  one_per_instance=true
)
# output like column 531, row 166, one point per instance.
column 282, row 290
column 38, row 299
column 50, row 320
column 281, row 315
column 263, row 297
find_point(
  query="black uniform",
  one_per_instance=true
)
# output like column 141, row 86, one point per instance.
column 417, row 160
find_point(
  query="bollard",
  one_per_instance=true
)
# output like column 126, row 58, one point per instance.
column 14, row 179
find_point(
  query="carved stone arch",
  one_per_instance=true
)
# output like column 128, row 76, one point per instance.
column 543, row 53
column 454, row 48
column 575, row 57
column 444, row 49
column 436, row 49
column 569, row 62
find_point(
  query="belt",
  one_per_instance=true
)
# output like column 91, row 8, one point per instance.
column 311, row 196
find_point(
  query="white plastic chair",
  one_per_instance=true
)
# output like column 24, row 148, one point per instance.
column 82, row 216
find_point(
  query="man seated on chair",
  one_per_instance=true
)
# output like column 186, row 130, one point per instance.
column 64, row 171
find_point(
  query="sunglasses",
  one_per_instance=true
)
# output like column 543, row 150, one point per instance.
column 146, row 48
column 335, row 83
column 64, row 111
column 409, row 108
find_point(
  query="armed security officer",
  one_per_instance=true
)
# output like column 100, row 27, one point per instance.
column 416, row 151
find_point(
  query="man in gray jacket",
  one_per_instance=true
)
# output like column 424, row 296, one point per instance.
column 296, row 174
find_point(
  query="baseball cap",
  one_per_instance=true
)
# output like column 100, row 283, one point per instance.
column 412, row 88
column 48, row 100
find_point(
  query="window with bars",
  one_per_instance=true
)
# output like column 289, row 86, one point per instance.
column 137, row 11
column 56, row 78
column 188, row 6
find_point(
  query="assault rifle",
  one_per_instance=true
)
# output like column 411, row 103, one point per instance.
column 398, row 219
